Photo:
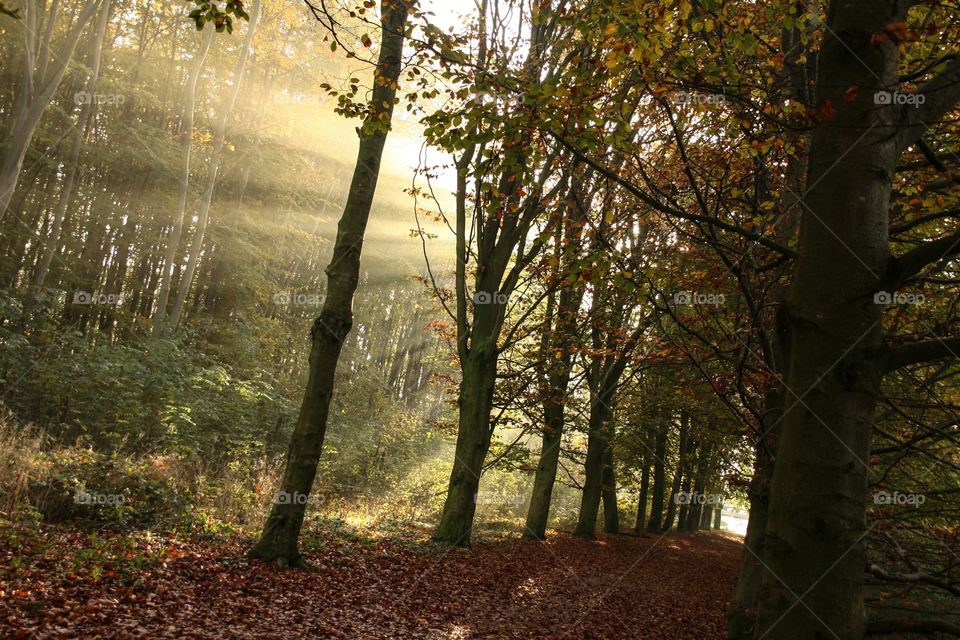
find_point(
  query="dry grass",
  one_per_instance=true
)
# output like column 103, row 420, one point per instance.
column 21, row 459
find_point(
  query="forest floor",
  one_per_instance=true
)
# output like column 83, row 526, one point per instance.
column 369, row 586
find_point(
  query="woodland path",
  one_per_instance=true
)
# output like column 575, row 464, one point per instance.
column 674, row 586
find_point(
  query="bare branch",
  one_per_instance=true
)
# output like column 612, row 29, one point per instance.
column 917, row 352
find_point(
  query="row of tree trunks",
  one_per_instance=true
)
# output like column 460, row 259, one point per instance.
column 213, row 170
column 649, row 440
column 87, row 108
column 682, row 462
column 186, row 147
column 43, row 71
column 655, row 521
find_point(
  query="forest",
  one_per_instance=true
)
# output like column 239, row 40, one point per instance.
column 459, row 319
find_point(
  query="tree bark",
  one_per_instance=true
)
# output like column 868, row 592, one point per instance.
column 678, row 473
column 611, row 512
column 659, row 476
column 279, row 541
column 815, row 546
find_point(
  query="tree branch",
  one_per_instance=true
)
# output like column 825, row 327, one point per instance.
column 671, row 211
column 925, row 351
column 941, row 94
column 912, row 262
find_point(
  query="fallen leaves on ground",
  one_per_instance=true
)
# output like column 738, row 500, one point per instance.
column 675, row 586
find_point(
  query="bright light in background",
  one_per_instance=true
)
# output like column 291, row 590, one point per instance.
column 735, row 521
column 315, row 125
column 404, row 151
column 449, row 13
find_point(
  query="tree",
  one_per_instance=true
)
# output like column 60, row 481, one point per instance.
column 683, row 453
column 557, row 347
column 655, row 522
column 186, row 146
column 213, row 168
column 43, row 69
column 815, row 547
column 87, row 109
column 280, row 537
column 512, row 189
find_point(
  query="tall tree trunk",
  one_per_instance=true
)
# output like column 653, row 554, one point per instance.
column 501, row 254
column 599, row 438
column 648, row 449
column 698, row 498
column 683, row 514
column 279, row 540
column 213, row 170
column 186, row 146
column 815, row 547
column 659, row 475
column 611, row 512
column 742, row 613
column 543, row 480
column 603, row 378
column 706, row 521
column 559, row 338
column 474, row 432
column 678, row 474
column 87, row 109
